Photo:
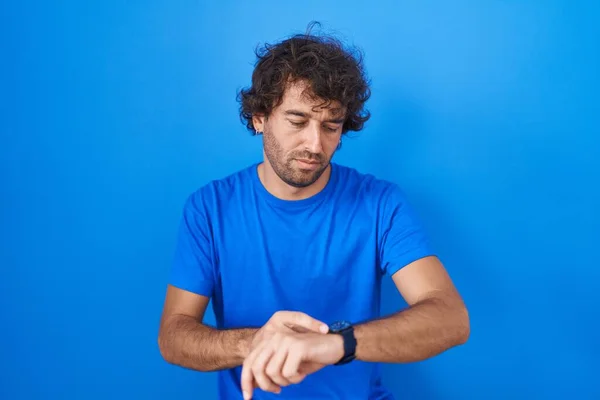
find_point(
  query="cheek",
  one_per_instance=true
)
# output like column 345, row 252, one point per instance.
column 281, row 145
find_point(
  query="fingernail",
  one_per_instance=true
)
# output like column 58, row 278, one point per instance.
column 246, row 396
column 324, row 328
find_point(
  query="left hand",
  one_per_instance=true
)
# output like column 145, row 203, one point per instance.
column 288, row 358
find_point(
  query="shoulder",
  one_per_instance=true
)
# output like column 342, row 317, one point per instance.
column 217, row 193
column 373, row 190
column 386, row 202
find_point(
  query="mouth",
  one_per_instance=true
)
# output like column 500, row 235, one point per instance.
column 307, row 164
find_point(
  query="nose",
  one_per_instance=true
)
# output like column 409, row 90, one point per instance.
column 312, row 140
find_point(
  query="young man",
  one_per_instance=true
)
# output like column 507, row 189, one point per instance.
column 292, row 250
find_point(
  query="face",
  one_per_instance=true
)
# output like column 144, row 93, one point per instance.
column 299, row 140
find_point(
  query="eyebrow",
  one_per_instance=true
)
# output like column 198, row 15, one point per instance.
column 305, row 115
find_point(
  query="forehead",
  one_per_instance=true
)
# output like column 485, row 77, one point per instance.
column 299, row 96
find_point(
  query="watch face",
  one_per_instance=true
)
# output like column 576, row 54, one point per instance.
column 339, row 325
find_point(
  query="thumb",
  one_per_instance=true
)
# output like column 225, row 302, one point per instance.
column 301, row 322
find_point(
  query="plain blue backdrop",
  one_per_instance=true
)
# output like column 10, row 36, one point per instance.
column 487, row 113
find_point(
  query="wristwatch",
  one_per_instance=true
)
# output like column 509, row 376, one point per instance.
column 345, row 329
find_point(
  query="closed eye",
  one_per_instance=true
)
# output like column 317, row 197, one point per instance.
column 297, row 124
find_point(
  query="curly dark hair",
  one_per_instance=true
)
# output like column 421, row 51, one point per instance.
column 333, row 72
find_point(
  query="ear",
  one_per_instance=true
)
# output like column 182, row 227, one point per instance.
column 258, row 121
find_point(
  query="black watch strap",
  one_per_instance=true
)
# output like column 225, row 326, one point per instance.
column 346, row 330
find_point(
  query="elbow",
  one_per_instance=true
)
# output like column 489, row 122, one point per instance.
column 463, row 325
column 457, row 324
column 166, row 352
column 165, row 345
column 163, row 348
column 172, row 353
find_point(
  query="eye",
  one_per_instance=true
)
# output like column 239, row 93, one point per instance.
column 297, row 124
column 330, row 129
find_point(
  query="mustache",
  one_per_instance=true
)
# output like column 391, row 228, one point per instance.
column 309, row 156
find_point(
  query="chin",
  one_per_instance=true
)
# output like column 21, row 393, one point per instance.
column 300, row 183
column 307, row 178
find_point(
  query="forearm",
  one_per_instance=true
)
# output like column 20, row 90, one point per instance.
column 186, row 342
column 421, row 331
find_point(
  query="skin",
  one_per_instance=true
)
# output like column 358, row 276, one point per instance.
column 291, row 345
column 295, row 131
column 185, row 341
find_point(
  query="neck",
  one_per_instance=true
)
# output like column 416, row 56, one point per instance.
column 278, row 188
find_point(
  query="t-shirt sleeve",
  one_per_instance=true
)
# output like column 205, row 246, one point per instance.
column 193, row 267
column 402, row 239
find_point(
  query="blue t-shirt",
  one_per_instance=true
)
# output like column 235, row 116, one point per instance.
column 255, row 254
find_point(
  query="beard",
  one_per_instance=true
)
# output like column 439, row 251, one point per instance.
column 287, row 169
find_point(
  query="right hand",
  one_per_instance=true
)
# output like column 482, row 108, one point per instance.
column 290, row 323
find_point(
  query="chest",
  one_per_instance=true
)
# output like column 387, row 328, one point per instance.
column 302, row 262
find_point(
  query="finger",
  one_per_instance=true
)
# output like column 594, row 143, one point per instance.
column 258, row 370
column 290, row 369
column 275, row 365
column 247, row 378
column 296, row 379
column 301, row 321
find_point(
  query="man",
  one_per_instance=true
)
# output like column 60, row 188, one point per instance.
column 292, row 250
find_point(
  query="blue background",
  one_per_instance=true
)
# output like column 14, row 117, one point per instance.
column 487, row 113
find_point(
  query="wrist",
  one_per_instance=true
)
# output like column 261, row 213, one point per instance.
column 244, row 344
column 345, row 331
column 337, row 343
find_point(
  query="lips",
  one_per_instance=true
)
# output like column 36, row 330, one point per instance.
column 307, row 161
column 307, row 164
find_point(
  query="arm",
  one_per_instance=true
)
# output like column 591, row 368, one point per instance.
column 183, row 339
column 435, row 321
column 436, row 318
